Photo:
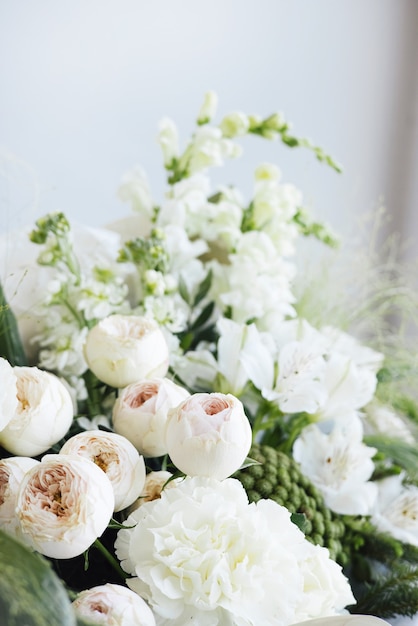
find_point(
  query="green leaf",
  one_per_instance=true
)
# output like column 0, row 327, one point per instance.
column 203, row 288
column 11, row 347
column 404, row 454
column 31, row 594
column 300, row 520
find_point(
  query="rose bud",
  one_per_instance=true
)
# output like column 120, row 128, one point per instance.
column 12, row 471
column 122, row 349
column 113, row 605
column 64, row 504
column 208, row 435
column 43, row 416
column 117, row 457
column 140, row 413
column 8, row 393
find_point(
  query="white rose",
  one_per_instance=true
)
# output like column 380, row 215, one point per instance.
column 64, row 504
column 43, row 416
column 12, row 471
column 8, row 393
column 113, row 605
column 122, row 349
column 117, row 457
column 208, row 435
column 140, row 413
column 155, row 482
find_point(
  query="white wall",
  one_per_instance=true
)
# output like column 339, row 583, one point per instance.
column 83, row 84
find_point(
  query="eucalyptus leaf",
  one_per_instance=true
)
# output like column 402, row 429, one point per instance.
column 31, row 594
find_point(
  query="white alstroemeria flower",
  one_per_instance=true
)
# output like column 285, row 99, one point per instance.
column 135, row 190
column 208, row 109
column 113, row 605
column 117, row 457
column 202, row 554
column 8, row 393
column 168, row 140
column 235, row 124
column 43, row 415
column 382, row 419
column 362, row 356
column 242, row 355
column 122, row 349
column 396, row 510
column 208, row 435
column 141, row 410
column 299, row 385
column 64, row 504
column 340, row 465
column 12, row 471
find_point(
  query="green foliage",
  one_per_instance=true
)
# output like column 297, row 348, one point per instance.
column 31, row 594
column 11, row 347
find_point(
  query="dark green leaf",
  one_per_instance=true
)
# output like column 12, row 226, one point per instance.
column 203, row 288
column 11, row 347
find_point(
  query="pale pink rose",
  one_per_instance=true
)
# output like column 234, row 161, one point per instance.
column 122, row 349
column 43, row 415
column 117, row 457
column 113, row 605
column 12, row 471
column 208, row 435
column 64, row 504
column 140, row 413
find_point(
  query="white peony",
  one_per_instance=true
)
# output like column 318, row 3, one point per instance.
column 8, row 393
column 12, row 471
column 208, row 435
column 340, row 465
column 122, row 349
column 201, row 554
column 64, row 504
column 43, row 416
column 113, row 605
column 117, row 457
column 141, row 410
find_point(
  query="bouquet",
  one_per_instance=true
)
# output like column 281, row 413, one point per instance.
column 191, row 430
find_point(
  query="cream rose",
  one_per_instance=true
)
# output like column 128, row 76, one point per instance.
column 113, row 605
column 117, row 457
column 140, row 413
column 43, row 415
column 64, row 504
column 155, row 483
column 12, row 471
column 122, row 349
column 208, row 435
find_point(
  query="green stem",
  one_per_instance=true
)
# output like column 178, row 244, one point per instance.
column 110, row 559
column 93, row 394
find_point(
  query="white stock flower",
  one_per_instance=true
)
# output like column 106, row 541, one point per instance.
column 12, row 471
column 340, row 465
column 43, row 415
column 201, row 554
column 122, row 349
column 135, row 190
column 168, row 140
column 113, row 605
column 208, row 435
column 396, row 510
column 117, row 457
column 140, row 413
column 8, row 393
column 64, row 504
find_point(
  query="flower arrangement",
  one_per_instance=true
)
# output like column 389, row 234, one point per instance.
column 183, row 439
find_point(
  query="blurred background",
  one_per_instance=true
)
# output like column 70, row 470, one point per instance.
column 84, row 83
